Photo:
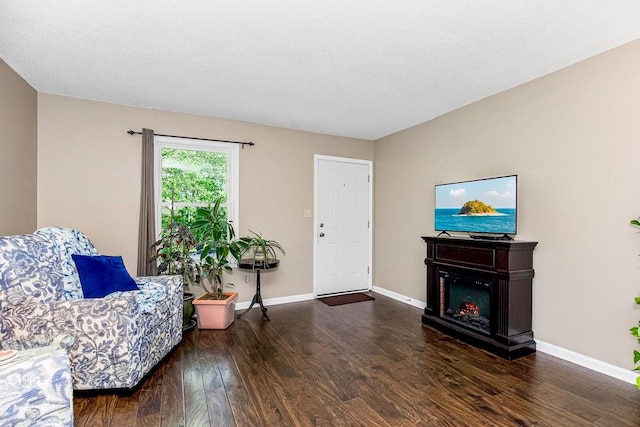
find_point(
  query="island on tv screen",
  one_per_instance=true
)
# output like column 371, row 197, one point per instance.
column 479, row 206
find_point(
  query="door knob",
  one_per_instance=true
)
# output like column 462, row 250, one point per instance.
column 321, row 234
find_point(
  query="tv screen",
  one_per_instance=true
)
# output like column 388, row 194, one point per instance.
column 480, row 206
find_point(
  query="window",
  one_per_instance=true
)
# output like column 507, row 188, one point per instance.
column 192, row 173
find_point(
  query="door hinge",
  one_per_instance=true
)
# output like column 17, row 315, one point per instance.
column 368, row 178
column 367, row 269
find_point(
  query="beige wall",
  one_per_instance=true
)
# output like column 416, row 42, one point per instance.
column 89, row 178
column 18, row 145
column 573, row 138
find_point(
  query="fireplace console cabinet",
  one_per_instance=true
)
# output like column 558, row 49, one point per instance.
column 480, row 291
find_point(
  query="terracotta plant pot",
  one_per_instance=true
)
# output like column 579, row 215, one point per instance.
column 216, row 313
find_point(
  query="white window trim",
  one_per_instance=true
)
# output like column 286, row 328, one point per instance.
column 233, row 177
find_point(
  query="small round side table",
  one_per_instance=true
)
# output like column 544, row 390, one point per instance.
column 257, row 266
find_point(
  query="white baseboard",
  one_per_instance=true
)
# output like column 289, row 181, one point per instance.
column 399, row 297
column 544, row 347
column 588, row 362
column 276, row 301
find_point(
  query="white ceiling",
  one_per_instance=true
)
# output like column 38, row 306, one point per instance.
column 356, row 68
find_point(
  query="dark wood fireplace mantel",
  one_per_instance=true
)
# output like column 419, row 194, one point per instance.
column 507, row 266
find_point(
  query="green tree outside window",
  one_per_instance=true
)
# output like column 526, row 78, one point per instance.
column 191, row 179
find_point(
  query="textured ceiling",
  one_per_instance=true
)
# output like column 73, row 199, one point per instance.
column 357, row 68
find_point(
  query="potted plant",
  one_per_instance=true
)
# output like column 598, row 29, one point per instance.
column 261, row 250
column 635, row 331
column 262, row 255
column 174, row 254
column 215, row 309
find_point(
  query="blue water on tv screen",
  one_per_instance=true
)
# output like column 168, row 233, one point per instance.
column 479, row 206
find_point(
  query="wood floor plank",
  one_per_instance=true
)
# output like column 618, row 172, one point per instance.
column 357, row 412
column 370, row 364
column 218, row 408
column 191, row 374
column 123, row 411
column 211, row 378
column 231, row 377
column 148, row 421
column 244, row 410
column 330, row 377
column 196, row 411
column 90, row 411
column 172, row 395
column 149, row 398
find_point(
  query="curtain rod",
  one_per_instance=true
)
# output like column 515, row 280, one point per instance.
column 131, row 132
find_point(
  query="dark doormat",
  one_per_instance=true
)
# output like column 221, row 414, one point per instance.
column 345, row 299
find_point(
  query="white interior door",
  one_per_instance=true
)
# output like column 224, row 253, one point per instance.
column 342, row 225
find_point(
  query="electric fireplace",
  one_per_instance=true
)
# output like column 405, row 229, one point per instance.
column 480, row 291
column 465, row 299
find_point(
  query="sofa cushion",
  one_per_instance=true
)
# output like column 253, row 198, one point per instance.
column 148, row 295
column 67, row 242
column 29, row 270
column 155, row 303
column 101, row 275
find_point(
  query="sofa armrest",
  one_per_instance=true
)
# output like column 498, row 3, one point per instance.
column 105, row 330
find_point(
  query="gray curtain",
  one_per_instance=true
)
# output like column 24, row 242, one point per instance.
column 147, row 229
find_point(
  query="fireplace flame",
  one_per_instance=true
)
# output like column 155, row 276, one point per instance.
column 469, row 308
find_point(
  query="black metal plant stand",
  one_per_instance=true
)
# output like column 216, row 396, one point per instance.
column 250, row 264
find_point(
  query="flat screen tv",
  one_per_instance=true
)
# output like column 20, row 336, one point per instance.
column 479, row 206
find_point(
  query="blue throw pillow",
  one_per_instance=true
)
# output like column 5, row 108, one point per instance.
column 101, row 275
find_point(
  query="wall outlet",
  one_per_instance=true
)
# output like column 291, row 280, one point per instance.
column 307, row 213
column 247, row 278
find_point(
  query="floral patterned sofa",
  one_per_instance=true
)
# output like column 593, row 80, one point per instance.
column 118, row 337
column 35, row 386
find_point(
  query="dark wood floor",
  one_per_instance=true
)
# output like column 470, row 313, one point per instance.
column 369, row 364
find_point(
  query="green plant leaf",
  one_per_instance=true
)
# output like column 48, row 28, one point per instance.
column 636, row 356
column 637, row 300
column 206, row 250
